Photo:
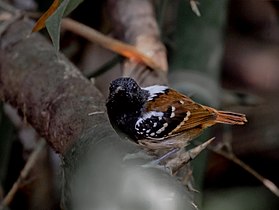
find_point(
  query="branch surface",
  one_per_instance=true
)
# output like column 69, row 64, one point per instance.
column 49, row 91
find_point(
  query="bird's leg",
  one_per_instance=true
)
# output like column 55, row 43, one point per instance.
column 163, row 149
column 165, row 144
column 182, row 157
column 155, row 148
column 164, row 157
column 171, row 154
column 156, row 163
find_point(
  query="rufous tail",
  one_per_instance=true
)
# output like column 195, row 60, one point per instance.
column 230, row 118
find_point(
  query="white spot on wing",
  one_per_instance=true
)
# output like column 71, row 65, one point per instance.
column 182, row 123
column 148, row 115
column 162, row 129
column 172, row 112
column 155, row 90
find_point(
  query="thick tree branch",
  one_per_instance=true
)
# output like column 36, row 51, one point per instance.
column 46, row 87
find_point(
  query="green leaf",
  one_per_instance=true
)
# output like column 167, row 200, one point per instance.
column 71, row 6
column 53, row 23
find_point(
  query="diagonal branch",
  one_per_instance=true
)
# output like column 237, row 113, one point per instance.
column 24, row 173
column 231, row 156
column 116, row 46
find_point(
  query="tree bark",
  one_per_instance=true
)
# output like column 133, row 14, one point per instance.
column 46, row 87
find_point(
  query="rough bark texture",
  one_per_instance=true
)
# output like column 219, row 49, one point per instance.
column 45, row 87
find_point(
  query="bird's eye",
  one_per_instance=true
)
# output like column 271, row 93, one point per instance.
column 119, row 89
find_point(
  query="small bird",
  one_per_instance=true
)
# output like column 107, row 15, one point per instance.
column 157, row 112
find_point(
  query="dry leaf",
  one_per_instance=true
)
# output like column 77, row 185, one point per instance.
column 40, row 24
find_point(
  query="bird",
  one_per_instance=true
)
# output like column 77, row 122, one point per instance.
column 158, row 113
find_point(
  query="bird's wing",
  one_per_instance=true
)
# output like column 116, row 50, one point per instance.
column 180, row 112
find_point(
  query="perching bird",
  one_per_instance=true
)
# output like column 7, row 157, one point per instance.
column 159, row 112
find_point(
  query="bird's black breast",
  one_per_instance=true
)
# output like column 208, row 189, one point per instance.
column 124, row 112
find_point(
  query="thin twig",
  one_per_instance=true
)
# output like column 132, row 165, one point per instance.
column 98, row 112
column 114, row 45
column 229, row 155
column 24, row 173
column 194, row 7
